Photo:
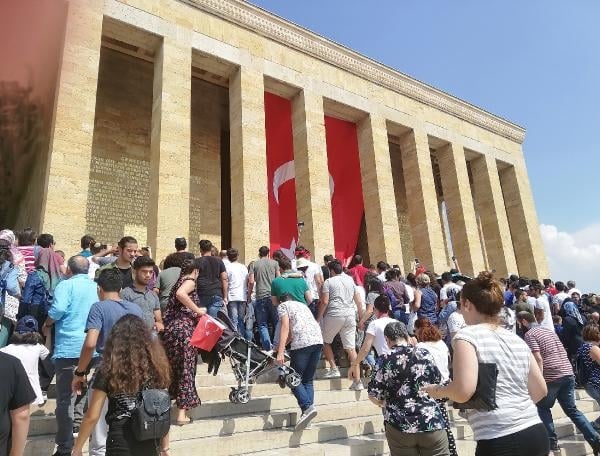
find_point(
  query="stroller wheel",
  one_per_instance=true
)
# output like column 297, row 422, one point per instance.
column 242, row 396
column 232, row 396
column 293, row 380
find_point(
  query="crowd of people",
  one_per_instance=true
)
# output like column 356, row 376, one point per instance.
column 414, row 341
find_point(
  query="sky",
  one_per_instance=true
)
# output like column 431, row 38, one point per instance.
column 535, row 63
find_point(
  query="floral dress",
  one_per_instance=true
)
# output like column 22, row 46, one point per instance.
column 180, row 323
column 398, row 379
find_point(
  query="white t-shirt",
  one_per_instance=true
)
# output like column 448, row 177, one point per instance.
column 441, row 355
column 312, row 271
column 410, row 292
column 237, row 274
column 456, row 322
column 542, row 303
column 449, row 289
column 361, row 292
column 376, row 328
column 516, row 411
column 29, row 355
column 558, row 298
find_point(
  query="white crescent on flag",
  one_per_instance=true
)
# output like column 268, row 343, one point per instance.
column 283, row 174
column 287, row 172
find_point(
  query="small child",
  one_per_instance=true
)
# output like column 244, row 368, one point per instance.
column 557, row 325
column 26, row 345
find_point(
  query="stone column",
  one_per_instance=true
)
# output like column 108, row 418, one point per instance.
column 422, row 201
column 381, row 218
column 249, row 200
column 170, row 144
column 494, row 223
column 460, row 209
column 523, row 222
column 65, row 201
column 313, row 197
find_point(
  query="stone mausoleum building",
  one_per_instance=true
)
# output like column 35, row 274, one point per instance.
column 158, row 131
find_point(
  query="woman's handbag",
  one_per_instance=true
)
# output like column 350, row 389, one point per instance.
column 151, row 419
column 484, row 397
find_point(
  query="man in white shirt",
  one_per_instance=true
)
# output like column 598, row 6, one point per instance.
column 237, row 274
column 559, row 297
column 541, row 302
column 572, row 289
column 313, row 276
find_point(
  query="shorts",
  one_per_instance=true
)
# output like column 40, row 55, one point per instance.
column 344, row 326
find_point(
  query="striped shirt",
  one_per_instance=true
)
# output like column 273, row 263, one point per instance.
column 28, row 252
column 546, row 342
column 516, row 411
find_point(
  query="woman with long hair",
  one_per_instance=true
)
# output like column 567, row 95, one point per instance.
column 181, row 318
column 132, row 360
column 513, row 426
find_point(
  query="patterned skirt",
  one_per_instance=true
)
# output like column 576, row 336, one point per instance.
column 183, row 360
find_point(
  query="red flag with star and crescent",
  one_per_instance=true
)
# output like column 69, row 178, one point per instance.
column 345, row 183
column 283, row 221
column 344, row 180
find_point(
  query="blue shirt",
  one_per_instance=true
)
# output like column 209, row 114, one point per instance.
column 73, row 299
column 104, row 314
column 9, row 282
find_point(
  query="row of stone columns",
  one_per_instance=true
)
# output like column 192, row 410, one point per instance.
column 170, row 169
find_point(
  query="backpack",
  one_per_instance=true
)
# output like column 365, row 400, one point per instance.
column 151, row 419
column 393, row 299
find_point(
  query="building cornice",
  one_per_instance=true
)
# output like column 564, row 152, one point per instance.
column 280, row 30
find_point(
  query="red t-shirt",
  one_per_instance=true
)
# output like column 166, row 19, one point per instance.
column 358, row 273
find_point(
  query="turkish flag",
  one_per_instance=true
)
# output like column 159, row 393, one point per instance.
column 207, row 333
column 281, row 188
column 347, row 205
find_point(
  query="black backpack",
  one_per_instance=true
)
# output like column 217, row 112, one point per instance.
column 151, row 418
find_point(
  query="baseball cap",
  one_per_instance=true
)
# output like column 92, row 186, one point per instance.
column 26, row 324
column 302, row 263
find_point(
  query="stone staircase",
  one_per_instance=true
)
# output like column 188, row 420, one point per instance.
column 347, row 422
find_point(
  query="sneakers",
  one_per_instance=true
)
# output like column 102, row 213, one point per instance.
column 554, row 446
column 44, row 397
column 357, row 385
column 75, row 432
column 332, row 373
column 305, row 418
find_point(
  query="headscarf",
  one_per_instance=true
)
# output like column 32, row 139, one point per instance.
column 9, row 236
column 569, row 309
column 50, row 261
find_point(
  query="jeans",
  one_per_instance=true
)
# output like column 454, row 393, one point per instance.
column 121, row 442
column 237, row 313
column 265, row 313
column 213, row 304
column 69, row 406
column 594, row 393
column 314, row 307
column 305, row 361
column 532, row 441
column 563, row 390
column 100, row 431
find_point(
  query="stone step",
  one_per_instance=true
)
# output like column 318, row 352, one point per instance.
column 214, row 426
column 246, row 442
column 220, row 392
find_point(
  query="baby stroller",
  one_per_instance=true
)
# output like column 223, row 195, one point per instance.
column 248, row 361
